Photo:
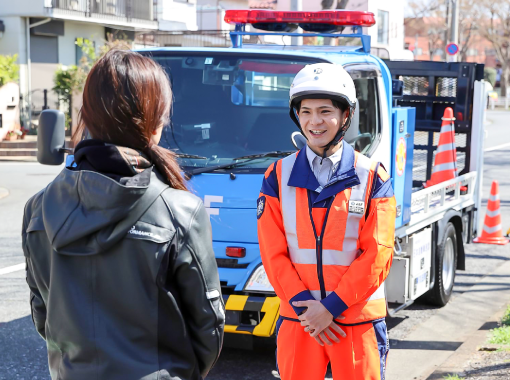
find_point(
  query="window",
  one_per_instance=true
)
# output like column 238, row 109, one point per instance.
column 490, row 52
column 229, row 105
column 383, row 22
column 472, row 53
column 44, row 49
column 365, row 126
column 237, row 104
column 439, row 52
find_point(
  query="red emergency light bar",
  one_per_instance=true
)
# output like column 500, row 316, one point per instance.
column 338, row 17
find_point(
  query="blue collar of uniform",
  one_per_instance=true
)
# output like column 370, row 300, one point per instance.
column 302, row 174
column 345, row 176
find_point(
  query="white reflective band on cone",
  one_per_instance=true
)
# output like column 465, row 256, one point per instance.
column 443, row 167
column 445, row 148
column 491, row 230
column 494, row 198
column 492, row 214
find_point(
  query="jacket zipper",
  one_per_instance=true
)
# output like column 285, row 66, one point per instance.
column 318, row 243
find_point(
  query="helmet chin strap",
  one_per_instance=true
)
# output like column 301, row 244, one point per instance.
column 339, row 136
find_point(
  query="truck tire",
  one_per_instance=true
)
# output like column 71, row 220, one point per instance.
column 446, row 263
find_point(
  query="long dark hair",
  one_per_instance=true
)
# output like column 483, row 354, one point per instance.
column 126, row 97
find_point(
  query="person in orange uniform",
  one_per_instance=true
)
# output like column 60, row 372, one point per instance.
column 326, row 221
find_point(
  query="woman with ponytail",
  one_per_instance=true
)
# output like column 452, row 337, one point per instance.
column 123, row 279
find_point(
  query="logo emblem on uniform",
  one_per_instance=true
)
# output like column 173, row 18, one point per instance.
column 357, row 207
column 261, row 204
column 317, row 71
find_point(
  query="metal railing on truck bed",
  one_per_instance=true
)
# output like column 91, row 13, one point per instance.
column 429, row 205
column 430, row 87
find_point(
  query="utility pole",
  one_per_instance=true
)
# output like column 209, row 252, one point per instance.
column 447, row 29
column 454, row 32
column 296, row 5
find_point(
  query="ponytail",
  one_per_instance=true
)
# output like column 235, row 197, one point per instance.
column 165, row 162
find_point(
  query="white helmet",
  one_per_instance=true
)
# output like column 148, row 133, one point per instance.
column 323, row 81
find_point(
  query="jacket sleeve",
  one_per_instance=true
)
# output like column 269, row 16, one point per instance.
column 273, row 244
column 376, row 240
column 37, row 305
column 196, row 274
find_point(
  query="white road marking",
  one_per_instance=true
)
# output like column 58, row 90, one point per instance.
column 497, row 147
column 13, row 268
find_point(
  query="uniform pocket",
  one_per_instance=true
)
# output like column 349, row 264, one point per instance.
column 385, row 223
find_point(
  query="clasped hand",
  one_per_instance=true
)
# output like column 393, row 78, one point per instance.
column 318, row 322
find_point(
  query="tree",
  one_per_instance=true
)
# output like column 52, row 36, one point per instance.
column 9, row 69
column 493, row 21
column 69, row 81
column 489, row 74
column 436, row 24
column 428, row 20
column 467, row 27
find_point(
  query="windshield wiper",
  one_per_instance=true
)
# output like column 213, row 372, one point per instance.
column 251, row 157
column 184, row 155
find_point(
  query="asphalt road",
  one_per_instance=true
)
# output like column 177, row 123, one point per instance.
column 23, row 352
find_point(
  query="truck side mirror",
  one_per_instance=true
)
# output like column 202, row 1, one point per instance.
column 51, row 137
column 298, row 140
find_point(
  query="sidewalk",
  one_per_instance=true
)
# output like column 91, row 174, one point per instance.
column 428, row 348
column 477, row 359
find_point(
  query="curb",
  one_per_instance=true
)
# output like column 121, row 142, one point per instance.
column 455, row 363
column 430, row 345
column 3, row 192
column 18, row 159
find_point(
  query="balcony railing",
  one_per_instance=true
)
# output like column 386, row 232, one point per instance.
column 127, row 10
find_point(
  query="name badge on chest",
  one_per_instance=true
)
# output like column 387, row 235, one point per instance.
column 357, row 207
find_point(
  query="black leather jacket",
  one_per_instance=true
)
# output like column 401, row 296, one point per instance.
column 123, row 280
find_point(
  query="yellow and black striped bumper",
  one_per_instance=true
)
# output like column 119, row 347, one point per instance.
column 267, row 307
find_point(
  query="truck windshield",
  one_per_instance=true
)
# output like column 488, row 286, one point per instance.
column 227, row 106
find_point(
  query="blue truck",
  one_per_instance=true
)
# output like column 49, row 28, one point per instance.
column 231, row 121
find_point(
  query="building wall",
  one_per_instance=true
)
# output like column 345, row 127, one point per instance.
column 9, row 108
column 14, row 42
column 176, row 15
column 72, row 31
column 32, row 8
column 210, row 13
column 395, row 30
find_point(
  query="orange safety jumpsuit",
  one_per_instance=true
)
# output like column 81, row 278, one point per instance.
column 316, row 244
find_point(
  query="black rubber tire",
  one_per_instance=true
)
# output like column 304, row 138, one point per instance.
column 438, row 295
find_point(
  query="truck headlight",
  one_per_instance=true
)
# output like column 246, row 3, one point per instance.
column 259, row 282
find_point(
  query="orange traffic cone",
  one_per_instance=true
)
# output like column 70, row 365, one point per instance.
column 445, row 163
column 492, row 232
